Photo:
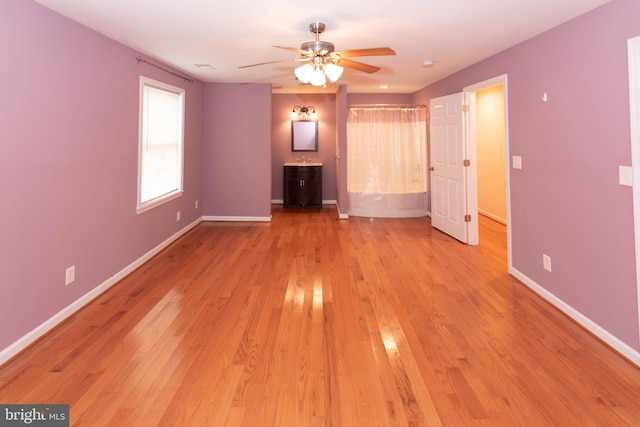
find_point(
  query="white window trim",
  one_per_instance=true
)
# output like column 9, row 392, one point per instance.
column 143, row 207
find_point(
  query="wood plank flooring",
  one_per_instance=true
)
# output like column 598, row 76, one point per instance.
column 314, row 321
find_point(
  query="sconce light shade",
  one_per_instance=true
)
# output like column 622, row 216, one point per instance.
column 304, row 113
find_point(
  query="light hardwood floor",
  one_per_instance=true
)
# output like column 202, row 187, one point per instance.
column 314, row 321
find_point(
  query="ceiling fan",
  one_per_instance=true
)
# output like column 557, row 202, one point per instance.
column 322, row 61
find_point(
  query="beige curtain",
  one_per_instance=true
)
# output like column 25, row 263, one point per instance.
column 386, row 161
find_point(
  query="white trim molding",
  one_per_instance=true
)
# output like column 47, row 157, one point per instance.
column 492, row 216
column 14, row 349
column 237, row 218
column 470, row 136
column 324, row 202
column 621, row 347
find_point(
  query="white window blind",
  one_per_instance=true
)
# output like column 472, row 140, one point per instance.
column 161, row 143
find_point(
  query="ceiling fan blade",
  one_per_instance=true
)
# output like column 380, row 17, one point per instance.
column 374, row 51
column 358, row 66
column 293, row 49
column 274, row 62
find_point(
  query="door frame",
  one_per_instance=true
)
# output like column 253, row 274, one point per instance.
column 633, row 47
column 471, row 152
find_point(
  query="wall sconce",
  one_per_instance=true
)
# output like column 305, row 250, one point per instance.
column 304, row 113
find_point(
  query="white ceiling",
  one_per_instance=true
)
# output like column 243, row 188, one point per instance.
column 228, row 34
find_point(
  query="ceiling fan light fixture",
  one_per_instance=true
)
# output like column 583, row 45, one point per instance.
column 322, row 59
column 317, row 77
column 304, row 72
column 333, row 72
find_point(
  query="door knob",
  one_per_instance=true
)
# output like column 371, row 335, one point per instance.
column 432, row 168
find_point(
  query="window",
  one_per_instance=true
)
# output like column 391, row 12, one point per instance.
column 160, row 149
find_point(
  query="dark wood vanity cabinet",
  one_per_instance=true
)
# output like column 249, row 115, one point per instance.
column 303, row 185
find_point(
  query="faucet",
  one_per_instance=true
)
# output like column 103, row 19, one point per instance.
column 304, row 160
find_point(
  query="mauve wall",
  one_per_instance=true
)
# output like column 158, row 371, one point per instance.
column 328, row 131
column 281, row 106
column 237, row 151
column 379, row 98
column 69, row 139
column 566, row 201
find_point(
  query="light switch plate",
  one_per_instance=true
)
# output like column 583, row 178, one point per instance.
column 626, row 175
column 70, row 275
column 517, row 162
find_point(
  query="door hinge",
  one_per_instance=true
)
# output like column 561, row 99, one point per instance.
column 465, row 108
column 466, row 162
column 467, row 218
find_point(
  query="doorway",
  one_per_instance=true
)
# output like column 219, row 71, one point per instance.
column 490, row 152
column 454, row 162
column 488, row 148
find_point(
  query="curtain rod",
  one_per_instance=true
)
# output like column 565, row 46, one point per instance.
column 186, row 79
column 388, row 105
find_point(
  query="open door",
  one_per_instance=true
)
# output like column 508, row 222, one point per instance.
column 454, row 163
column 447, row 154
column 633, row 47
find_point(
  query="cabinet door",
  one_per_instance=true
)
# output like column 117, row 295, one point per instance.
column 313, row 186
column 292, row 190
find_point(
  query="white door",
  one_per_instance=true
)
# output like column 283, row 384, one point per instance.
column 448, row 183
column 633, row 47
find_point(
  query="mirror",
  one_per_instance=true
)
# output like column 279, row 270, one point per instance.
column 304, row 135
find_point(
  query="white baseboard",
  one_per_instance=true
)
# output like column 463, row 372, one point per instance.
column 492, row 216
column 28, row 339
column 341, row 215
column 618, row 345
column 324, row 202
column 238, row 218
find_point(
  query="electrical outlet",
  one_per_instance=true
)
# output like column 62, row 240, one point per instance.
column 196, row 204
column 546, row 262
column 178, row 216
column 70, row 275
